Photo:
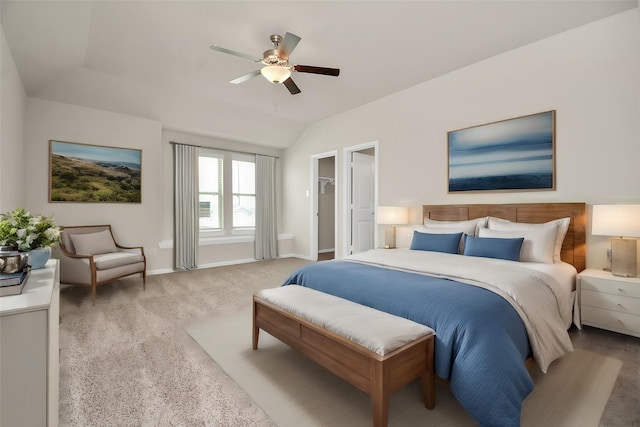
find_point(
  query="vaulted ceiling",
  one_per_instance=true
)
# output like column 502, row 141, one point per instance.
column 152, row 59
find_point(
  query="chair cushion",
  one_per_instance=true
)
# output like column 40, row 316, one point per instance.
column 93, row 243
column 116, row 259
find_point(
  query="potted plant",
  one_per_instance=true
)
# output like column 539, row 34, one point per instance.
column 34, row 234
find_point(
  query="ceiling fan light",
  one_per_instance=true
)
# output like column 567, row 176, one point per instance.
column 275, row 73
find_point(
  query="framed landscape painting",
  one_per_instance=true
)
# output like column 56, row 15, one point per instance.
column 509, row 155
column 93, row 173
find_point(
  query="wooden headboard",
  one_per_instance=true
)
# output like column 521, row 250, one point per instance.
column 574, row 245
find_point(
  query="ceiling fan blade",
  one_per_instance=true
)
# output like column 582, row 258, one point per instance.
column 317, row 70
column 293, row 88
column 245, row 77
column 289, row 42
column 234, row 53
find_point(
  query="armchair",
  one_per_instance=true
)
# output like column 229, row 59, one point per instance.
column 90, row 256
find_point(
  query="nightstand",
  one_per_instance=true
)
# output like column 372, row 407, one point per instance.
column 609, row 302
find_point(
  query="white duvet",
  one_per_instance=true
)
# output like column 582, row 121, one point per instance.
column 540, row 293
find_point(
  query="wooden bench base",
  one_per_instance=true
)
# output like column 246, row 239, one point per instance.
column 376, row 375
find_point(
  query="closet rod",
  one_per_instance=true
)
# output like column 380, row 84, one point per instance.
column 223, row 149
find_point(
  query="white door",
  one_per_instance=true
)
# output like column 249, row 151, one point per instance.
column 362, row 202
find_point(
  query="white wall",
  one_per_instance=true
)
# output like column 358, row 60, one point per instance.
column 133, row 224
column 150, row 223
column 589, row 75
column 176, row 108
column 13, row 101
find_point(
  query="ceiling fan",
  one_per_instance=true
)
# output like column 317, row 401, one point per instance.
column 277, row 68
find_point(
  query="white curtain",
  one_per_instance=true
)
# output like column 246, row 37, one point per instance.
column 185, row 206
column 266, row 220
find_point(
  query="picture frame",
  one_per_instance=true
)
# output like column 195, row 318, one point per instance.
column 88, row 173
column 516, row 154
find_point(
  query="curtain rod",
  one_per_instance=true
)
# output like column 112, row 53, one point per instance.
column 224, row 149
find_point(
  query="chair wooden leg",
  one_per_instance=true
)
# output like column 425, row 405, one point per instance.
column 144, row 280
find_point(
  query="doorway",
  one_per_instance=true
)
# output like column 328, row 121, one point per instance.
column 361, row 198
column 324, row 206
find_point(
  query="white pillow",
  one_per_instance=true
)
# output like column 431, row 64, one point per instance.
column 93, row 243
column 561, row 231
column 466, row 226
column 537, row 246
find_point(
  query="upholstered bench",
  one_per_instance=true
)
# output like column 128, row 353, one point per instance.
column 373, row 350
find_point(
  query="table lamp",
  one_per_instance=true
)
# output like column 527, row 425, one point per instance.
column 391, row 216
column 623, row 222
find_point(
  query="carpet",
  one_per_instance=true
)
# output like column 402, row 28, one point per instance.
column 295, row 391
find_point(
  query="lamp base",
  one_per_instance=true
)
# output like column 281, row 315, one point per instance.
column 624, row 257
column 390, row 237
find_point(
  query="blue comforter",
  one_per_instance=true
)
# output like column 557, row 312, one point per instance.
column 481, row 342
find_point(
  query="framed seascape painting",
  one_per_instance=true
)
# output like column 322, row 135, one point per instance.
column 510, row 155
column 92, row 173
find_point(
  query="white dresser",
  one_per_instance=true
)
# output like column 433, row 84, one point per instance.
column 29, row 351
column 610, row 302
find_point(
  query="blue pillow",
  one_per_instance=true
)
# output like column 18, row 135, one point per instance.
column 493, row 247
column 447, row 243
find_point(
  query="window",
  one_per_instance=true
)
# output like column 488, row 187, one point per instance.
column 210, row 183
column 227, row 192
column 244, row 193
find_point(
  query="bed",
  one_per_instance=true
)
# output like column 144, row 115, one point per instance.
column 492, row 315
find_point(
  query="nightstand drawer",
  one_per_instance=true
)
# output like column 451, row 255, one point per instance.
column 611, row 302
column 613, row 320
column 610, row 286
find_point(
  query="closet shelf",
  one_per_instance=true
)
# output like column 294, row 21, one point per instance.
column 324, row 181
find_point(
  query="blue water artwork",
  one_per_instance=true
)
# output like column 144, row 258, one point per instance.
column 513, row 154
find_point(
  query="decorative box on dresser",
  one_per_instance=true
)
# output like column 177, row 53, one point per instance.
column 610, row 302
column 29, row 351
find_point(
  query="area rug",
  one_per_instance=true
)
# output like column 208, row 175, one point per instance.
column 295, row 391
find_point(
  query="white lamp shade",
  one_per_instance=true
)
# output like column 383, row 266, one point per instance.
column 616, row 220
column 392, row 215
column 275, row 73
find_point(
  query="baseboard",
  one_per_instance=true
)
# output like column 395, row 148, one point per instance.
column 160, row 271
column 306, row 257
column 222, row 264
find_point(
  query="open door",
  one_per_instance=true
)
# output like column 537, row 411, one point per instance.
column 363, row 206
column 361, row 190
